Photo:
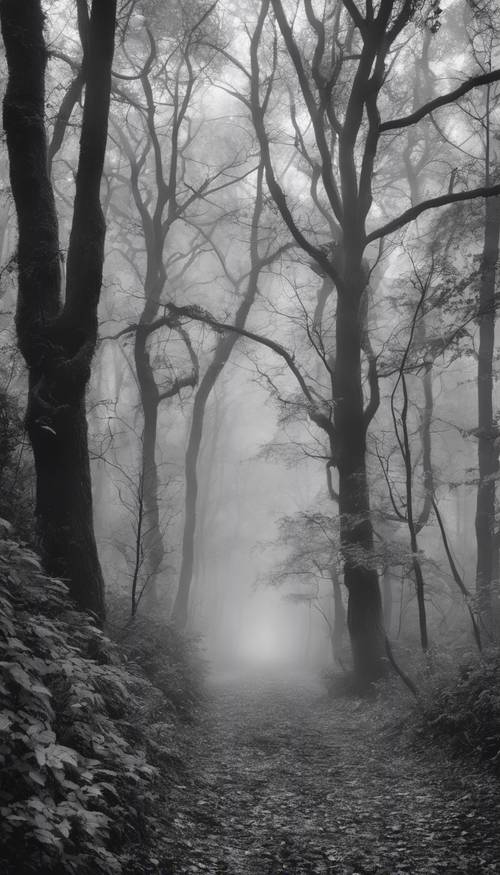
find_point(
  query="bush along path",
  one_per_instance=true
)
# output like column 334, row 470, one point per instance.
column 282, row 780
column 88, row 742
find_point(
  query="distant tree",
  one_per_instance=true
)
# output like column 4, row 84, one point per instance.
column 260, row 257
column 312, row 544
column 56, row 335
column 170, row 179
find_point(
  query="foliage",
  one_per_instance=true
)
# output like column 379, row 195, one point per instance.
column 170, row 661
column 16, row 468
column 462, row 705
column 81, row 738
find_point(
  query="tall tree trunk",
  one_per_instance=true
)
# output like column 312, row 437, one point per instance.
column 222, row 352
column 58, row 341
column 180, row 609
column 58, row 436
column 364, row 611
column 487, row 428
column 153, row 545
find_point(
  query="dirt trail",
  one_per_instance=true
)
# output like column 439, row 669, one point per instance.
column 281, row 780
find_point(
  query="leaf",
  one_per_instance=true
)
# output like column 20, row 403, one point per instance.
column 46, row 736
column 40, row 755
column 47, row 837
column 37, row 777
column 66, row 754
column 30, row 560
column 41, row 689
column 5, row 722
column 16, row 643
column 36, row 803
column 64, row 828
column 20, row 676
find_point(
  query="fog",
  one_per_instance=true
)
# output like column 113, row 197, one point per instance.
column 249, row 437
column 235, row 404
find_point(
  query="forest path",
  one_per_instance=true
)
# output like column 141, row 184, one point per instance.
column 282, row 780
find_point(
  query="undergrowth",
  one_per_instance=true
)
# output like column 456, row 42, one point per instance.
column 457, row 702
column 172, row 662
column 461, row 705
column 87, row 744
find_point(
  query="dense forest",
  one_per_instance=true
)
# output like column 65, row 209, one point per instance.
column 249, row 436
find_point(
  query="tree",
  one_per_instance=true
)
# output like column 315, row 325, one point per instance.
column 170, row 179
column 485, row 48
column 57, row 337
column 312, row 544
column 341, row 60
column 220, row 358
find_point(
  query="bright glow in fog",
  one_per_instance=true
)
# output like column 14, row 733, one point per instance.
column 264, row 630
column 264, row 639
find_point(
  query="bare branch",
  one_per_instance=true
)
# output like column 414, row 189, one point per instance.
column 431, row 204
column 443, row 100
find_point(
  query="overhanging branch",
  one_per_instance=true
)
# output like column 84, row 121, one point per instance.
column 443, row 100
column 431, row 204
column 198, row 314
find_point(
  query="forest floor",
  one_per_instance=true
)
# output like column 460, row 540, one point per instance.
column 281, row 779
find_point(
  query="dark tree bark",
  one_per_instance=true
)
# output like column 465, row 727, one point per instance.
column 364, row 610
column 58, row 339
column 487, row 427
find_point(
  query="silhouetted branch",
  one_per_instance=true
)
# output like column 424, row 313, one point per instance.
column 431, row 204
column 443, row 100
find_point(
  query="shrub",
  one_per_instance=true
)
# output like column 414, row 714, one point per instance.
column 463, row 706
column 171, row 661
column 16, row 468
column 78, row 793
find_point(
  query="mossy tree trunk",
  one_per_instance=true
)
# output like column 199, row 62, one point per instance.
column 57, row 337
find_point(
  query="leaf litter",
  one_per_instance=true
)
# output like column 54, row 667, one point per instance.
column 281, row 779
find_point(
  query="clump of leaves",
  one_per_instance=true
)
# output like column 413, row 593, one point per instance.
column 463, row 706
column 77, row 792
column 16, row 468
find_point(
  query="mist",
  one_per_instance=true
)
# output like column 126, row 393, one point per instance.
column 249, row 435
